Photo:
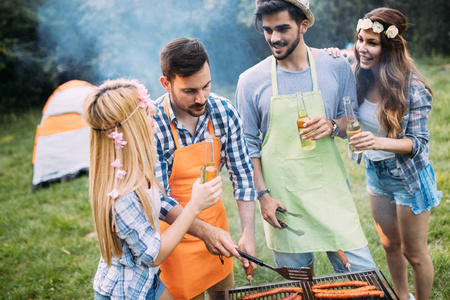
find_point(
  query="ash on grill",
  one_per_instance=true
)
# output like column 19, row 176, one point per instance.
column 373, row 277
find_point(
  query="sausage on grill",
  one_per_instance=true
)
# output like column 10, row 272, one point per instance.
column 358, row 289
column 274, row 291
column 349, row 295
column 329, row 285
column 292, row 296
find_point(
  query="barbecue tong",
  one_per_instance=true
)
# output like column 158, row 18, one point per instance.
column 288, row 213
column 284, row 225
column 304, row 274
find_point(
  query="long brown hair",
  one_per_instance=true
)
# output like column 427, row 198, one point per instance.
column 396, row 71
column 108, row 105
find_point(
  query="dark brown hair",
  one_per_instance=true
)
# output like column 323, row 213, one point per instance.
column 268, row 7
column 183, row 57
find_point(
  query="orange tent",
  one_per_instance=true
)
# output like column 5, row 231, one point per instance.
column 61, row 146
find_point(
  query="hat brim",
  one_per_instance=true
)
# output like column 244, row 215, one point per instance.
column 309, row 15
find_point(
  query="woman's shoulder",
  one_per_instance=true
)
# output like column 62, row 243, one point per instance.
column 126, row 202
column 417, row 88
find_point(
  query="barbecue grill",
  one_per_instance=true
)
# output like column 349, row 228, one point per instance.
column 373, row 277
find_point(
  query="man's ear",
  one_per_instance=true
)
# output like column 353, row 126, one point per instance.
column 165, row 83
column 304, row 26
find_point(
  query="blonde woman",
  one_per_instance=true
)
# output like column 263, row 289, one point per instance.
column 125, row 195
column 394, row 104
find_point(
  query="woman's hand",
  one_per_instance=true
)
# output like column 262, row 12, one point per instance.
column 335, row 52
column 206, row 194
column 366, row 141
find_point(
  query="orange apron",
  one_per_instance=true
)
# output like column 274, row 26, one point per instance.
column 191, row 269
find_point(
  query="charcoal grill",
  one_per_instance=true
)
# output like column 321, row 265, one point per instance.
column 373, row 277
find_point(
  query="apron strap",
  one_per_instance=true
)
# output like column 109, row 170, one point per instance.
column 274, row 77
column 313, row 73
column 174, row 130
column 312, row 64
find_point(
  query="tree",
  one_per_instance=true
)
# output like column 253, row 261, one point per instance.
column 26, row 78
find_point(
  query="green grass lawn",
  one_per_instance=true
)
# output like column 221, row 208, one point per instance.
column 48, row 249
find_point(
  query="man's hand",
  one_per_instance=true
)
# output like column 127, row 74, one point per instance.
column 316, row 128
column 268, row 207
column 218, row 241
column 247, row 245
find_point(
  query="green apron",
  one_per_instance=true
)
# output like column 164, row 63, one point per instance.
column 312, row 183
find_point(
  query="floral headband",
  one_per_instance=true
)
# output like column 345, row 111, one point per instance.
column 119, row 143
column 377, row 27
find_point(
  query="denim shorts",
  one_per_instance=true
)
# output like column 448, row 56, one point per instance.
column 360, row 259
column 383, row 178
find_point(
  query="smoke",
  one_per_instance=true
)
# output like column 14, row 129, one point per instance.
column 102, row 39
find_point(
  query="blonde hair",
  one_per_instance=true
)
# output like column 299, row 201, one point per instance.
column 396, row 71
column 106, row 107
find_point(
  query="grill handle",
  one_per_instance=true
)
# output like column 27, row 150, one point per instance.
column 254, row 259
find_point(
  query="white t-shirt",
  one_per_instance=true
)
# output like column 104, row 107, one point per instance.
column 369, row 122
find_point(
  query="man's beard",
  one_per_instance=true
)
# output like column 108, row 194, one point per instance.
column 192, row 109
column 289, row 50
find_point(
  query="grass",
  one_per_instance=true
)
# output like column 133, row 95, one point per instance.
column 47, row 246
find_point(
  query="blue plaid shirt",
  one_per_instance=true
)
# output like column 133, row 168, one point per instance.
column 415, row 127
column 234, row 153
column 131, row 275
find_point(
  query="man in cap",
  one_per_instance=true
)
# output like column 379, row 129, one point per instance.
column 187, row 113
column 312, row 183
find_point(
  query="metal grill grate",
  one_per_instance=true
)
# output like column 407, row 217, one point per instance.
column 373, row 277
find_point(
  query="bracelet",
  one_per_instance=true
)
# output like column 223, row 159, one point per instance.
column 261, row 193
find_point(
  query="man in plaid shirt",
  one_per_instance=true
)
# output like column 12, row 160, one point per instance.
column 186, row 114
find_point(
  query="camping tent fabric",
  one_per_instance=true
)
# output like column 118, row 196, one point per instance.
column 61, row 148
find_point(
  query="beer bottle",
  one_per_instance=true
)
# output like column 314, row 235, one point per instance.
column 352, row 127
column 209, row 170
column 302, row 118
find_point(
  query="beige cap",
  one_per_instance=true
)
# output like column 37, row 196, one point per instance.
column 304, row 7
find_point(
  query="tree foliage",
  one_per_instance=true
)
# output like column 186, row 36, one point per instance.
column 25, row 74
column 46, row 42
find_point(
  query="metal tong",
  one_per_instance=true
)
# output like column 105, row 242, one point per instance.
column 284, row 225
column 304, row 274
column 288, row 213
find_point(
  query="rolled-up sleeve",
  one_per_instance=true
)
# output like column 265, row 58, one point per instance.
column 419, row 107
column 239, row 164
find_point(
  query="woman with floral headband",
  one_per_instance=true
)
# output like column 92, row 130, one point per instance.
column 394, row 102
column 125, row 196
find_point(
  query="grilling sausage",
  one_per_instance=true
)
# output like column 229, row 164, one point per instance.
column 349, row 295
column 274, row 291
column 330, row 285
column 290, row 297
column 359, row 289
column 249, row 273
